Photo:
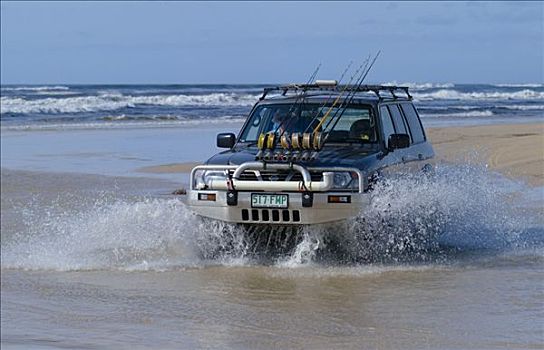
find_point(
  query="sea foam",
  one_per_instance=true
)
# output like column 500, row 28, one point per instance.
column 444, row 94
column 411, row 219
column 112, row 102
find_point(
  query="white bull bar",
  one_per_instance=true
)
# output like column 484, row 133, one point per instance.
column 309, row 202
column 293, row 186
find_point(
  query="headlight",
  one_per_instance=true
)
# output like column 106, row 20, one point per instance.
column 344, row 180
column 204, row 178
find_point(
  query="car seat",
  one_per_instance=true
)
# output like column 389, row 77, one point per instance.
column 360, row 130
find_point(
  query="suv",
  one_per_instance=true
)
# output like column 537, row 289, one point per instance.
column 308, row 154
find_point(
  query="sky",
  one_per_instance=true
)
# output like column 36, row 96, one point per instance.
column 269, row 42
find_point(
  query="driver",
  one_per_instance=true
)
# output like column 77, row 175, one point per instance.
column 279, row 120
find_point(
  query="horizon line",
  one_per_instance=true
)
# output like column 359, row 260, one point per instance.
column 277, row 83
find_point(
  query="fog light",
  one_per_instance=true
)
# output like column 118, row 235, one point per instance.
column 207, row 197
column 339, row 199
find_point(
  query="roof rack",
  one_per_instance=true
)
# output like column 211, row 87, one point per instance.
column 303, row 88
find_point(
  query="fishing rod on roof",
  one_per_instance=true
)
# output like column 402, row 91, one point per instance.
column 335, row 84
column 304, row 140
column 317, row 136
column 300, row 96
column 355, row 90
column 286, row 141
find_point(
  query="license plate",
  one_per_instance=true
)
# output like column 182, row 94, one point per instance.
column 259, row 200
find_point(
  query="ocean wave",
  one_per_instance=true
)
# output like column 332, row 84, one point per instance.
column 484, row 113
column 443, row 94
column 112, row 102
column 422, row 86
column 523, row 107
column 173, row 117
column 124, row 122
column 528, row 85
column 36, row 88
column 527, row 107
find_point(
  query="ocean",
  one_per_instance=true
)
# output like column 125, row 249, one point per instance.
column 98, row 254
column 106, row 106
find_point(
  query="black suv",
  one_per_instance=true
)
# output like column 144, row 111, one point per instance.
column 308, row 153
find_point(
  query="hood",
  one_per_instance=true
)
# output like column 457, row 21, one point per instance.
column 355, row 157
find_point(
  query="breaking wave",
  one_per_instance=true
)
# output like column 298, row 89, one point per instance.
column 444, row 94
column 436, row 218
column 527, row 107
column 423, row 86
column 523, row 107
column 484, row 113
column 36, row 88
column 112, row 102
column 126, row 122
column 528, row 85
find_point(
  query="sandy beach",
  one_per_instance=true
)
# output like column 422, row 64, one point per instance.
column 117, row 261
column 515, row 150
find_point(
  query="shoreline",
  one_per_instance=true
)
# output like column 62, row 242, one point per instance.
column 514, row 150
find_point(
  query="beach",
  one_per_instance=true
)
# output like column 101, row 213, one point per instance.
column 104, row 260
column 98, row 252
column 515, row 150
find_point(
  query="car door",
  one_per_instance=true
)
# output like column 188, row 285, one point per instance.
column 420, row 151
column 392, row 123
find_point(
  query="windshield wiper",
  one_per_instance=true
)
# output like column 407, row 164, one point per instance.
column 248, row 144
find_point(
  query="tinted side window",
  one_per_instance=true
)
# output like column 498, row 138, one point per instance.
column 387, row 124
column 400, row 128
column 413, row 122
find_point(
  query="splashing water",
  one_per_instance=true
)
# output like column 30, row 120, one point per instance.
column 411, row 219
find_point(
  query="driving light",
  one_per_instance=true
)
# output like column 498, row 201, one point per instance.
column 342, row 180
column 210, row 176
column 203, row 178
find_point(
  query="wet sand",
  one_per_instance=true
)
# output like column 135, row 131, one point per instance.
column 91, row 261
column 515, row 150
column 111, row 263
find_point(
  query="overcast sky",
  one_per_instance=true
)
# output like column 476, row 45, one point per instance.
column 269, row 42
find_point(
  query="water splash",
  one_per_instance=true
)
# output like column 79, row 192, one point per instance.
column 411, row 219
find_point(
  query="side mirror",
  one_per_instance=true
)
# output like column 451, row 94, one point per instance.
column 398, row 141
column 226, row 140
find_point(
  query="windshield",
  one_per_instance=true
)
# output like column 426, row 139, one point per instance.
column 355, row 125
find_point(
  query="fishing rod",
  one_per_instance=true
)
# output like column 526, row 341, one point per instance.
column 284, row 139
column 336, row 100
column 355, row 90
column 294, row 105
column 267, row 140
column 344, row 102
column 332, row 93
column 304, row 140
column 313, row 139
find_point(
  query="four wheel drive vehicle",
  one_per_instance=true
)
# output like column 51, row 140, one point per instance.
column 308, row 154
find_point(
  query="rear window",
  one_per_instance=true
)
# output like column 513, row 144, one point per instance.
column 413, row 122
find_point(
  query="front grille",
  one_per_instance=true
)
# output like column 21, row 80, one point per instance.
column 270, row 215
